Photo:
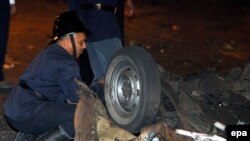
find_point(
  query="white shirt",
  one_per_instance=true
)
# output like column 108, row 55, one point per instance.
column 12, row 2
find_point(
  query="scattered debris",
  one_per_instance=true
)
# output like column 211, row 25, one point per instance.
column 30, row 47
column 8, row 66
column 9, row 62
column 228, row 47
column 199, row 136
column 175, row 27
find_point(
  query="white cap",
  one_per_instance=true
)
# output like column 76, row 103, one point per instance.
column 12, row 2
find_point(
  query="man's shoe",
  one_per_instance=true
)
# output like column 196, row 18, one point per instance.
column 5, row 84
column 56, row 134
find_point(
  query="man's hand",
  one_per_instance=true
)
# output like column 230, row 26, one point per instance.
column 129, row 8
column 12, row 9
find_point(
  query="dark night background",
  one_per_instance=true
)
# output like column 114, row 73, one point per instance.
column 184, row 36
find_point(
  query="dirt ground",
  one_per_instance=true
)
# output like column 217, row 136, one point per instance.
column 183, row 36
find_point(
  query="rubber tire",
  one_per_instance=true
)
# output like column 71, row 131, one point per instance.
column 138, row 62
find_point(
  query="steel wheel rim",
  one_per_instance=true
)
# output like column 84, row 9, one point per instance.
column 125, row 89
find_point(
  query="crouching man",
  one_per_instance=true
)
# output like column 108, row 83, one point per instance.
column 41, row 105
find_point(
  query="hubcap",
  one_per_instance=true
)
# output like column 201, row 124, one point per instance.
column 125, row 89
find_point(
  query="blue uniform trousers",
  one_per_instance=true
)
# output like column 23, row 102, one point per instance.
column 100, row 54
column 46, row 116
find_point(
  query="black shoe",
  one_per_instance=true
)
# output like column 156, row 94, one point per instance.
column 25, row 137
column 56, row 134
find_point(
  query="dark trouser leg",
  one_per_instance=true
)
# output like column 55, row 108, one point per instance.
column 4, row 32
column 99, row 90
column 120, row 18
column 49, row 116
column 85, row 68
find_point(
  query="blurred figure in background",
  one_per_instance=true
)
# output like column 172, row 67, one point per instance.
column 7, row 8
column 100, row 17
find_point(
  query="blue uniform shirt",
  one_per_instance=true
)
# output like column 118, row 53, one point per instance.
column 102, row 24
column 52, row 75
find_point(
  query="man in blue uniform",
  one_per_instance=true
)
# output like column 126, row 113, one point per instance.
column 105, row 39
column 44, row 100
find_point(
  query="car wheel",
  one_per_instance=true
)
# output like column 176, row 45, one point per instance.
column 132, row 88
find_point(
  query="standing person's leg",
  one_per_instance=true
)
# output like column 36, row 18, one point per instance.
column 100, row 53
column 113, row 45
column 4, row 32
